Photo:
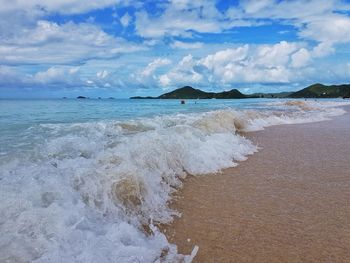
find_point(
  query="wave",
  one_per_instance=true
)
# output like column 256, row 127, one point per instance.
column 95, row 192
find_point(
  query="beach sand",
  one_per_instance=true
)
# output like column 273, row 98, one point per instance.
column 290, row 202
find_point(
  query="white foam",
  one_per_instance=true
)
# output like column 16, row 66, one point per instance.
column 86, row 192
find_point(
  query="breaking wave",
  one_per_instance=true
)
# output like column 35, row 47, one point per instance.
column 95, row 192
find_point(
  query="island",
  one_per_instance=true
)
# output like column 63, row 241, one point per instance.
column 188, row 92
column 313, row 91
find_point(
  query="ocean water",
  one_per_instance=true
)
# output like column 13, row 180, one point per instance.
column 90, row 180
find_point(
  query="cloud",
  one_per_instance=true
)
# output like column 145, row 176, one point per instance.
column 165, row 43
column 325, row 21
column 58, row 75
column 125, row 20
column 28, row 37
column 223, row 57
column 316, row 20
column 328, row 29
column 276, row 63
column 323, row 49
column 275, row 55
column 287, row 10
column 179, row 18
column 60, row 6
column 252, row 7
column 300, row 58
column 148, row 77
column 51, row 43
column 10, row 77
column 155, row 64
column 182, row 74
column 186, row 45
column 102, row 74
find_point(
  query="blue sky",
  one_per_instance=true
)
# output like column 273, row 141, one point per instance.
column 122, row 48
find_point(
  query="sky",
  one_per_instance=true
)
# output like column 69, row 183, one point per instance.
column 122, row 48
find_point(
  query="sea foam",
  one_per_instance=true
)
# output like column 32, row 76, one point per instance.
column 95, row 192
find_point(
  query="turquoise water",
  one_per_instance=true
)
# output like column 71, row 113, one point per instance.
column 80, row 178
column 28, row 112
column 17, row 116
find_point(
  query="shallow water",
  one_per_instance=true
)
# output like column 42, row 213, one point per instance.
column 82, row 179
column 287, row 203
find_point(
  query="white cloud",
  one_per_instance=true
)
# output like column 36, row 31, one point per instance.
column 251, row 6
column 220, row 62
column 125, row 20
column 155, row 64
column 50, row 43
column 57, row 75
column 184, row 72
column 148, row 76
column 323, row 49
column 329, row 29
column 179, row 18
column 320, row 20
column 300, row 58
column 186, row 45
column 102, row 74
column 275, row 55
column 244, row 64
column 10, row 77
column 61, row 6
column 164, row 80
column 296, row 9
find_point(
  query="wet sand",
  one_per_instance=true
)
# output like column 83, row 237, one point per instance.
column 290, row 202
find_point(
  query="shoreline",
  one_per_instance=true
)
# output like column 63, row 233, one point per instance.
column 286, row 203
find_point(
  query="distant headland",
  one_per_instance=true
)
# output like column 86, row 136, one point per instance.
column 188, row 92
column 313, row 91
column 83, row 98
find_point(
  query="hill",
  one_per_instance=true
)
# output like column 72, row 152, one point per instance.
column 313, row 91
column 284, row 94
column 322, row 91
column 188, row 92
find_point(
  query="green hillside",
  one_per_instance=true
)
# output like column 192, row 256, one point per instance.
column 188, row 92
column 313, row 91
column 284, row 94
column 322, row 91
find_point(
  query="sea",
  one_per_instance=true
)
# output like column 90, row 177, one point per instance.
column 91, row 180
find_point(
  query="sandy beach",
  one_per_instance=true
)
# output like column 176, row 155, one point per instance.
column 290, row 202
